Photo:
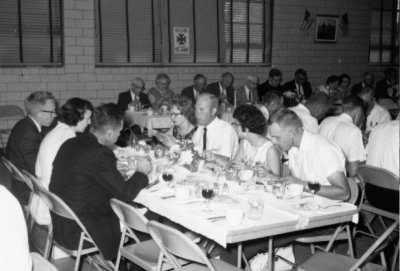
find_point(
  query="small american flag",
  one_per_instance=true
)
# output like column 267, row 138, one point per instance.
column 344, row 25
column 307, row 21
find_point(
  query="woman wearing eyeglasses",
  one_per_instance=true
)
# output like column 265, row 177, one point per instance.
column 183, row 118
column 255, row 150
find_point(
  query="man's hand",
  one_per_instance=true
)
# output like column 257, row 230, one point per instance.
column 144, row 166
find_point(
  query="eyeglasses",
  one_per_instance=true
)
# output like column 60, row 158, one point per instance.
column 175, row 114
column 234, row 124
column 49, row 111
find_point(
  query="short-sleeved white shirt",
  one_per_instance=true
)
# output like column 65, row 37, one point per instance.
column 383, row 147
column 316, row 159
column 309, row 122
column 378, row 115
column 221, row 138
column 343, row 132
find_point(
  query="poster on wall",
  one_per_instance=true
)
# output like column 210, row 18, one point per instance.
column 181, row 40
column 326, row 28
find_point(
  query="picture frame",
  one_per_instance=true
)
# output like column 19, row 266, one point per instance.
column 326, row 28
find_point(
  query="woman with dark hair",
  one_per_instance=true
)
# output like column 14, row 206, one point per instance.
column 183, row 118
column 255, row 149
column 74, row 116
column 344, row 85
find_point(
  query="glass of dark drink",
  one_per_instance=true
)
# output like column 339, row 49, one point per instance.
column 168, row 176
column 207, row 193
column 314, row 187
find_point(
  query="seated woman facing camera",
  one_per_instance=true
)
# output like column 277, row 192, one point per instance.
column 255, row 150
column 183, row 118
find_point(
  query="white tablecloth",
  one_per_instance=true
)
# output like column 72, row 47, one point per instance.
column 279, row 216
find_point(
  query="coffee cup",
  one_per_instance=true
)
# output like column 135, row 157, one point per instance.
column 234, row 216
column 294, row 189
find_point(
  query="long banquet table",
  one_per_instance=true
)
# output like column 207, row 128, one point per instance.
column 279, row 216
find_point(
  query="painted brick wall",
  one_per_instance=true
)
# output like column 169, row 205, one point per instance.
column 291, row 49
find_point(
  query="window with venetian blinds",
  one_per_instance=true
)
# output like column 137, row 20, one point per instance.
column 30, row 32
column 220, row 31
column 384, row 32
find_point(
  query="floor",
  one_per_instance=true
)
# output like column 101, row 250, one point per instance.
column 302, row 252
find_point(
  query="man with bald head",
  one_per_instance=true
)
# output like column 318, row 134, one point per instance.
column 248, row 92
column 134, row 95
column 213, row 135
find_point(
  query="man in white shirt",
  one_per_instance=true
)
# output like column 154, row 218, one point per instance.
column 376, row 114
column 213, row 135
column 383, row 147
column 14, row 245
column 311, row 157
column 344, row 130
column 74, row 117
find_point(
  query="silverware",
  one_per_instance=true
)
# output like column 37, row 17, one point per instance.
column 216, row 218
column 152, row 184
column 327, row 206
column 168, row 197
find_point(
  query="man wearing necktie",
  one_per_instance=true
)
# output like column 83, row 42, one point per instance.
column 248, row 93
column 223, row 89
column 214, row 135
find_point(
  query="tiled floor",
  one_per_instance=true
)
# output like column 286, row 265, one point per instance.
column 302, row 252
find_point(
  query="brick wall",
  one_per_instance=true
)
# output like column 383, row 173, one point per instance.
column 291, row 49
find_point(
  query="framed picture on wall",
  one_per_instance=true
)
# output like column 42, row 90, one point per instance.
column 326, row 28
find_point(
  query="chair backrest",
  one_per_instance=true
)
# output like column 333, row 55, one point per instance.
column 129, row 215
column 379, row 177
column 172, row 241
column 11, row 111
column 354, row 191
column 16, row 173
column 33, row 181
column 39, row 263
column 374, row 246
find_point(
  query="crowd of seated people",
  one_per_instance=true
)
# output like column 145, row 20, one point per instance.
column 75, row 161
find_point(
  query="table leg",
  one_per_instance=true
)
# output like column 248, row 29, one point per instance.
column 270, row 265
column 239, row 255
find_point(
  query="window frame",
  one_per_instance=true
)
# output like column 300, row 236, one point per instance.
column 395, row 11
column 20, row 42
column 166, row 53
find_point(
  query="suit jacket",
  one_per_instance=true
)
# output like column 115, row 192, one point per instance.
column 265, row 87
column 86, row 178
column 125, row 98
column 381, row 90
column 188, row 92
column 291, row 85
column 241, row 96
column 213, row 88
column 22, row 150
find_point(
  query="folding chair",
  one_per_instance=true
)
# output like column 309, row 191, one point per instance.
column 9, row 113
column 59, row 207
column 18, row 176
column 334, row 262
column 41, row 264
column 175, row 245
column 145, row 254
column 342, row 232
column 379, row 178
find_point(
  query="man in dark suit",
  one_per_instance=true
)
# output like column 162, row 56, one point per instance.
column 367, row 81
column 223, row 89
column 300, row 85
column 26, row 136
column 85, row 176
column 134, row 95
column 248, row 92
column 273, row 83
column 385, row 89
column 199, row 86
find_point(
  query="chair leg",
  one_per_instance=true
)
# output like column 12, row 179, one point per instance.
column 350, row 240
column 312, row 247
column 383, row 259
column 395, row 256
column 49, row 243
column 78, row 256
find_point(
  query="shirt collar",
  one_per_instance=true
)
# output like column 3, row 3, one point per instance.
column 305, row 140
column 212, row 124
column 346, row 117
column 36, row 124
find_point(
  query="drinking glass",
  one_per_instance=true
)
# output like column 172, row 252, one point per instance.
column 167, row 176
column 231, row 173
column 256, row 208
column 278, row 188
column 314, row 187
column 207, row 193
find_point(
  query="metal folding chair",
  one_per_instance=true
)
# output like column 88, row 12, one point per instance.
column 59, row 207
column 41, row 264
column 174, row 245
column 9, row 113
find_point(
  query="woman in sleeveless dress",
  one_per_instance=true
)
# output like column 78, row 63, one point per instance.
column 255, row 149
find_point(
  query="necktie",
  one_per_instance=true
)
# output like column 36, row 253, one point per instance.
column 249, row 95
column 205, row 139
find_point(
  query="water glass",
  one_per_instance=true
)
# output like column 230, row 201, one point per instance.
column 256, row 208
column 132, row 162
column 231, row 173
column 278, row 189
